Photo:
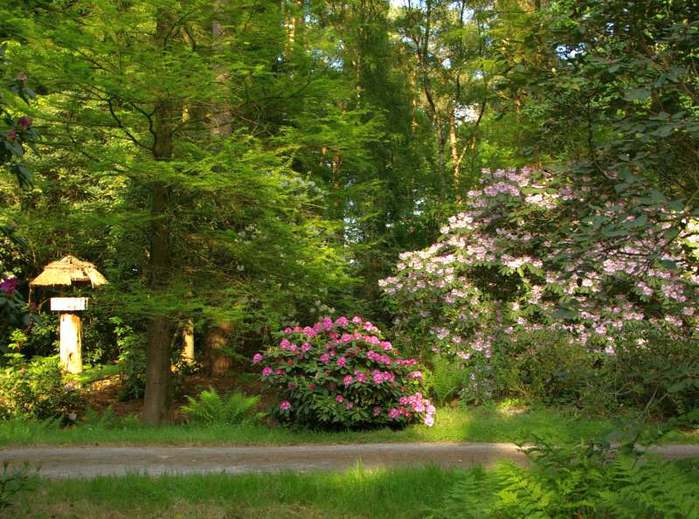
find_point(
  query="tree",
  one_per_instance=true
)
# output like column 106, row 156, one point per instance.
column 611, row 90
column 192, row 222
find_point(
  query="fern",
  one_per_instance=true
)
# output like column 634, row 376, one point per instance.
column 583, row 481
column 211, row 408
column 14, row 480
column 446, row 380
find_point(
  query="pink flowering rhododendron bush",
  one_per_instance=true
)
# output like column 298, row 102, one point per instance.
column 343, row 373
column 537, row 251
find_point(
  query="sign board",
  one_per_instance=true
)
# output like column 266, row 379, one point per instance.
column 68, row 304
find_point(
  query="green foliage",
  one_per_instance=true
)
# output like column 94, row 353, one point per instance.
column 13, row 311
column 132, row 359
column 105, row 420
column 211, row 408
column 585, row 481
column 446, row 379
column 38, row 339
column 545, row 366
column 650, row 372
column 455, row 424
column 302, row 146
column 16, row 133
column 14, row 480
column 36, row 388
column 610, row 88
column 655, row 371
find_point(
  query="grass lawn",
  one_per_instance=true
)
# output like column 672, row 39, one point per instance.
column 485, row 424
column 359, row 492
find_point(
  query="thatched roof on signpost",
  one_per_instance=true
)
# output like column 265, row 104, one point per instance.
column 67, row 271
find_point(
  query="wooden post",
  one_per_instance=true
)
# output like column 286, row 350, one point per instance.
column 71, row 343
column 71, row 352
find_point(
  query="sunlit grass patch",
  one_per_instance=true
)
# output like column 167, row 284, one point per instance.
column 509, row 422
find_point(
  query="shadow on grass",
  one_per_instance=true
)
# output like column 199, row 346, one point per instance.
column 358, row 492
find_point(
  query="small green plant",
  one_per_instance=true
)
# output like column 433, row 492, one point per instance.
column 17, row 339
column 14, row 480
column 446, row 379
column 105, row 419
column 211, row 408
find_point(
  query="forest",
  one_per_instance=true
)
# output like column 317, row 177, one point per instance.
column 354, row 221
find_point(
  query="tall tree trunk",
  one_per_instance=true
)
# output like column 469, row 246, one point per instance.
column 161, row 328
column 216, row 361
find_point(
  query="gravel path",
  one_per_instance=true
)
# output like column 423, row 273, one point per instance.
column 88, row 462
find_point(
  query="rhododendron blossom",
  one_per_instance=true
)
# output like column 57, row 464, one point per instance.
column 9, row 285
column 513, row 262
column 344, row 373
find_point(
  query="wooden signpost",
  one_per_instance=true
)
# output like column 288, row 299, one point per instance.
column 69, row 272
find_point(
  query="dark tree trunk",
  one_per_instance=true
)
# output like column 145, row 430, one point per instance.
column 161, row 328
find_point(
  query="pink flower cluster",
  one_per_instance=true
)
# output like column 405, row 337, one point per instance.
column 342, row 371
column 379, row 377
column 379, row 358
column 415, row 404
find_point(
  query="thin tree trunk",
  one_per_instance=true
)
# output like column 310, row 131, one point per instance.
column 188, row 356
column 454, row 149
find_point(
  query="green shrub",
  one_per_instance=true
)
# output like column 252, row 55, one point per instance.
column 37, row 389
column 583, row 481
column 212, row 408
column 651, row 368
column 544, row 366
column 41, row 336
column 536, row 366
column 648, row 371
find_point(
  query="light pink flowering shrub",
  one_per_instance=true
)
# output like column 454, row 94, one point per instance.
column 535, row 251
column 342, row 373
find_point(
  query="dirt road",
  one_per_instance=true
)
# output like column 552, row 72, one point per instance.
column 88, row 462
